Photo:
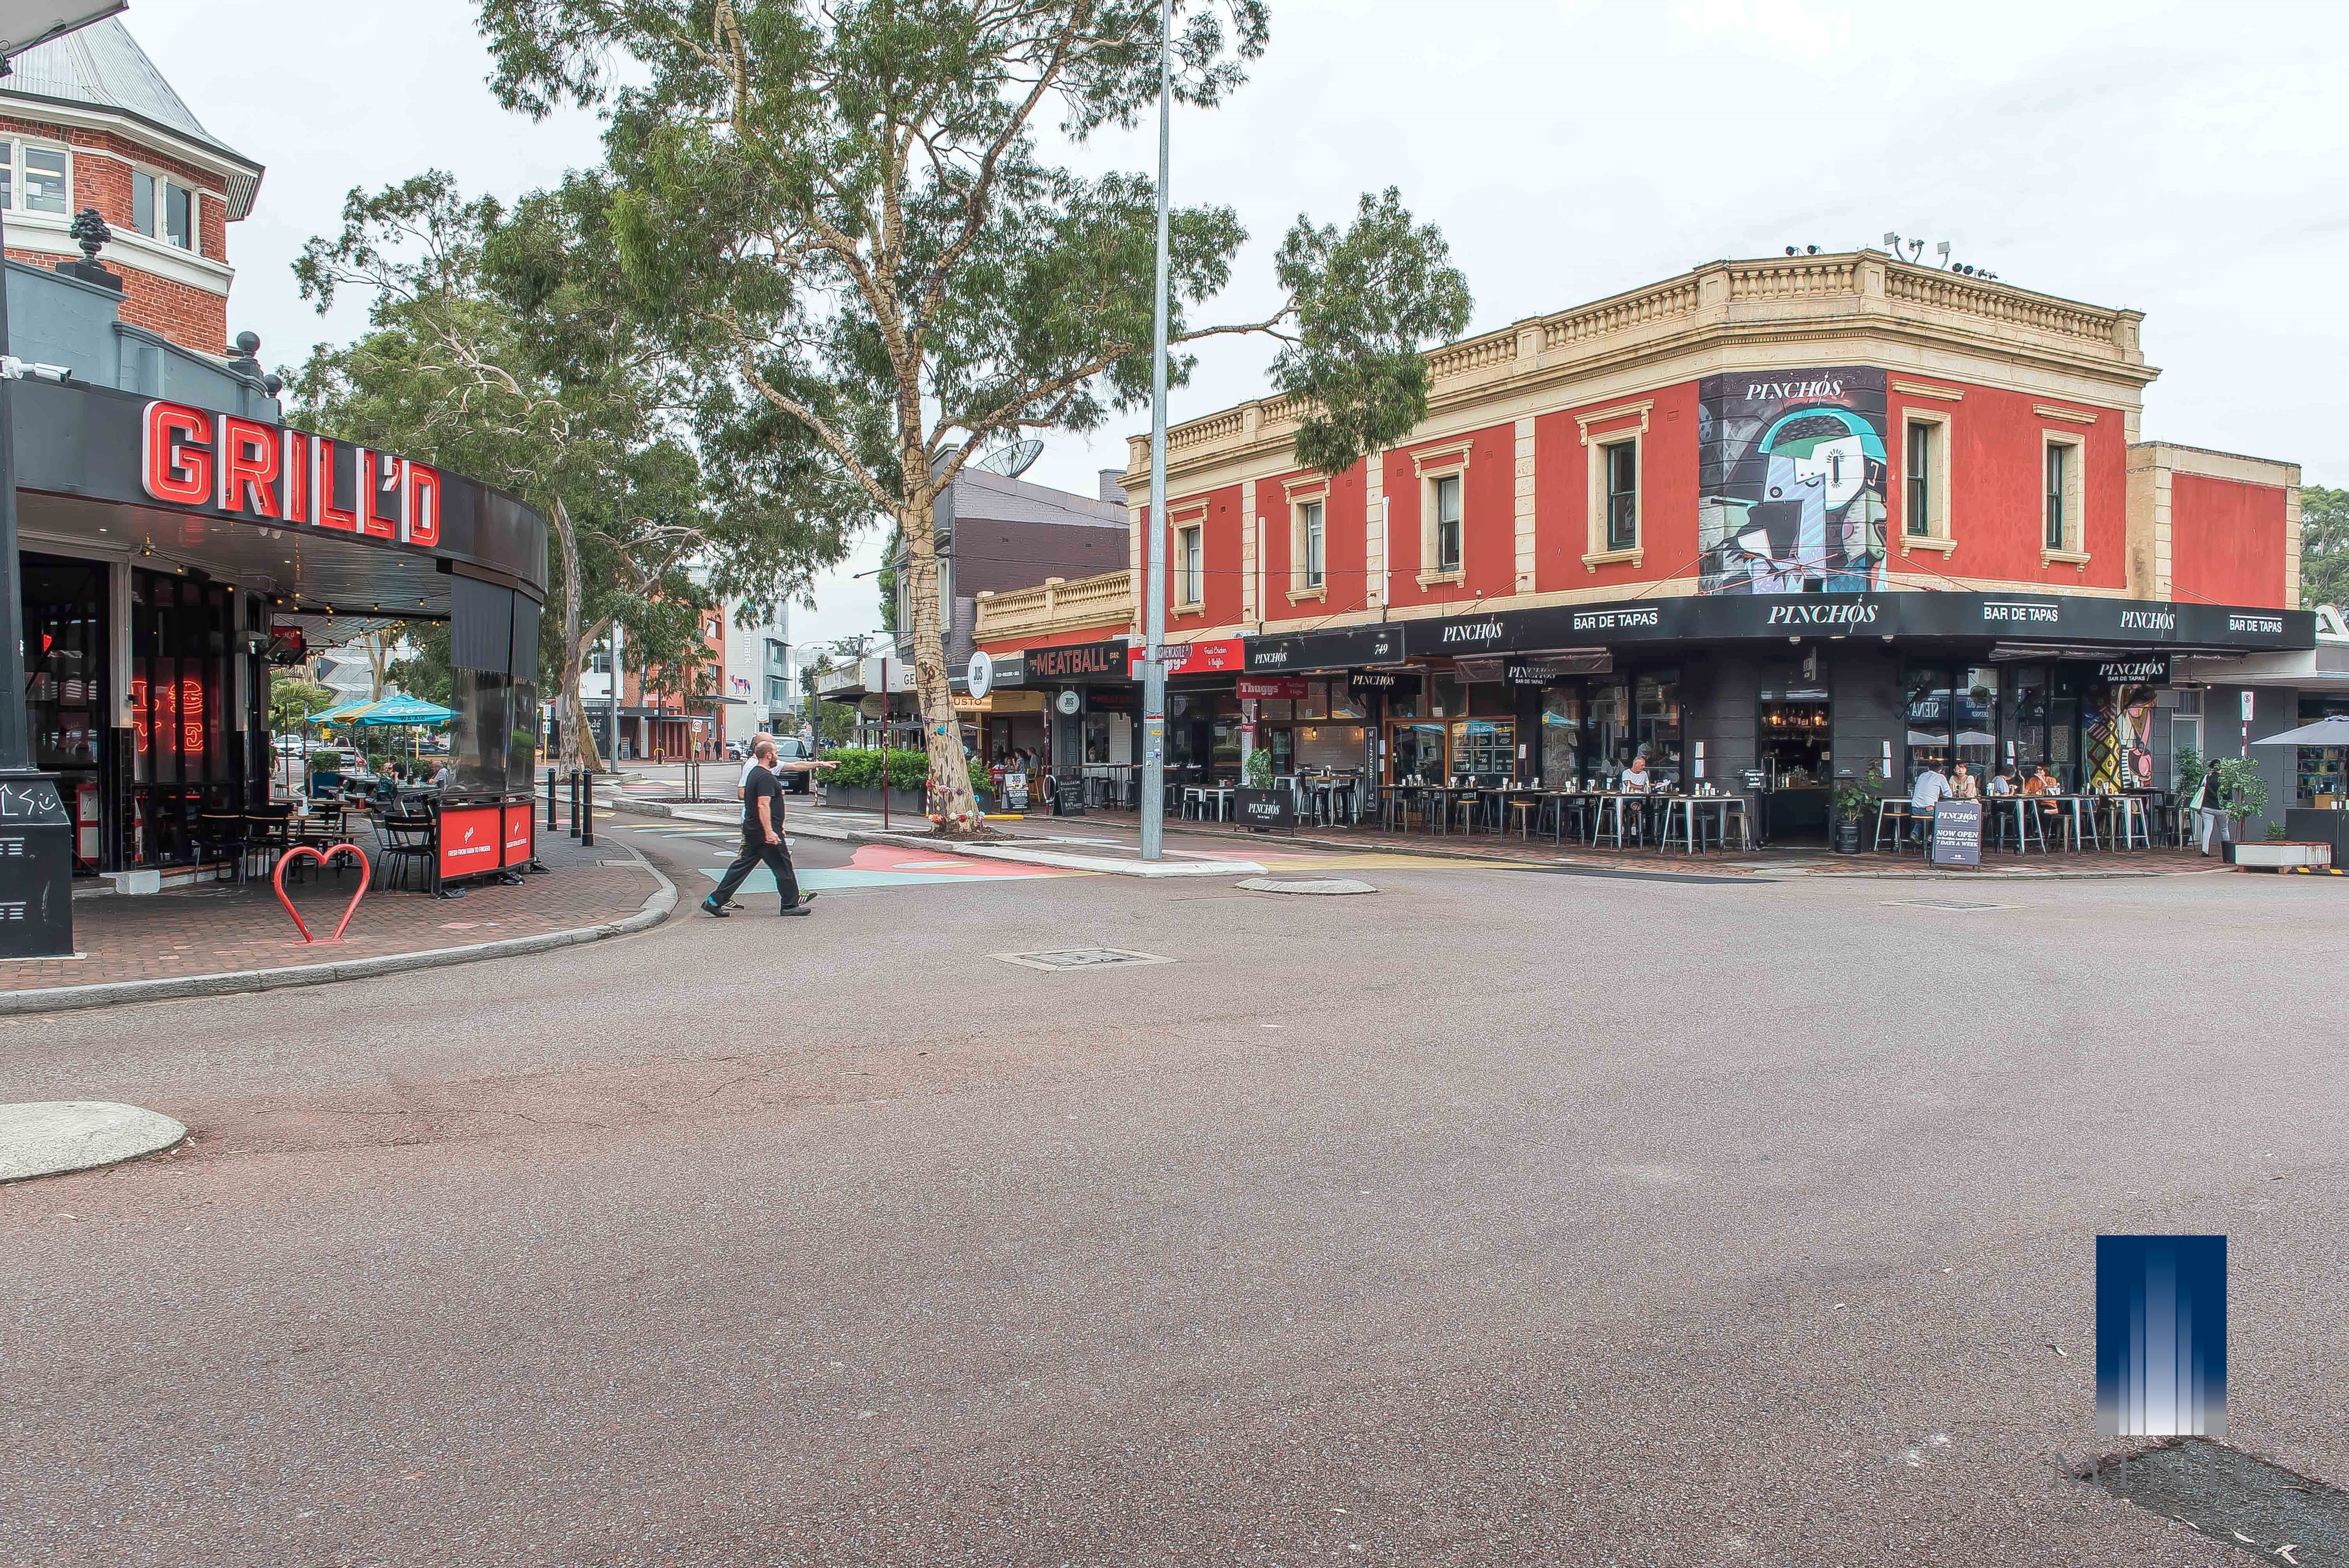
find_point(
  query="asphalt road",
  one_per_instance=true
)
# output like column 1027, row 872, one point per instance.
column 1500, row 1218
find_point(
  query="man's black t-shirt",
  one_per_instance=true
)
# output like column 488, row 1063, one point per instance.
column 761, row 785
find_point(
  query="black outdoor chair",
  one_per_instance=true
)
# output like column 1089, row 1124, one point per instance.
column 407, row 840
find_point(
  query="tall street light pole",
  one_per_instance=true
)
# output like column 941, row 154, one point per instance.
column 1154, row 672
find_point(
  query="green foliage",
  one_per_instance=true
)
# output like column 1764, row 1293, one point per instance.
column 860, row 768
column 426, row 674
column 2188, row 770
column 291, row 698
column 1367, row 303
column 2242, row 792
column 326, row 761
column 843, row 217
column 1257, row 772
column 2324, row 545
column 834, row 722
column 1853, row 802
column 2276, row 833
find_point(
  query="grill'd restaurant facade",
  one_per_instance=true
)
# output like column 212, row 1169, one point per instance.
column 173, row 548
column 1776, row 523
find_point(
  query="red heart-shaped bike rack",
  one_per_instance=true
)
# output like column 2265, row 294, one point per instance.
column 277, row 881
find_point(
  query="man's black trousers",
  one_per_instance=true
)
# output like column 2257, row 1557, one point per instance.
column 755, row 849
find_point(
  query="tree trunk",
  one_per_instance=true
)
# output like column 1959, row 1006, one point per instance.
column 578, row 740
column 952, row 806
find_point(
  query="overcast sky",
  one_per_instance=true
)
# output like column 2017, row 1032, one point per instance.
column 2183, row 159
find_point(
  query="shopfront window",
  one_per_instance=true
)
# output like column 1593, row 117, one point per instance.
column 1607, row 729
column 65, row 661
column 1451, row 697
column 2321, row 777
column 1483, row 751
column 1657, row 724
column 1931, row 712
column 1976, row 696
column 1418, row 751
column 1561, row 734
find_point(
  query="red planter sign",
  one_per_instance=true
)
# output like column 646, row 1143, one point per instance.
column 470, row 840
column 521, row 835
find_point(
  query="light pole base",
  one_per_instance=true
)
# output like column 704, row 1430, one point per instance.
column 37, row 844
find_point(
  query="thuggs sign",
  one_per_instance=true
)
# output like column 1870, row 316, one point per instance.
column 248, row 467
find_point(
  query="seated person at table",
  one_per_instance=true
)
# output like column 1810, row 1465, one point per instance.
column 1635, row 778
column 2039, row 783
column 1963, row 785
column 444, row 778
column 1931, row 788
column 2000, row 784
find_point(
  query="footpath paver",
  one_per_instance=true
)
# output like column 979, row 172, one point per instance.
column 230, row 936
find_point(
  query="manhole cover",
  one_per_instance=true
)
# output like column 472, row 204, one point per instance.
column 2228, row 1495
column 1953, row 903
column 1308, row 884
column 1079, row 958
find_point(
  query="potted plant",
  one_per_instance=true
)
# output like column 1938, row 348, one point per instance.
column 1853, row 802
column 1260, row 805
column 2242, row 795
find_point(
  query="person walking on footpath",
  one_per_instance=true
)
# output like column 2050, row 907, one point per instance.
column 762, row 836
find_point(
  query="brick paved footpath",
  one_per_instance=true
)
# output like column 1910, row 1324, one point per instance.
column 220, row 928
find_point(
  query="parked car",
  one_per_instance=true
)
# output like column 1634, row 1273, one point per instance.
column 792, row 749
column 291, row 746
column 734, row 752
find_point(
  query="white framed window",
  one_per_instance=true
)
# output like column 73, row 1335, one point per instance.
column 2062, row 501
column 1316, row 543
column 1925, row 482
column 1622, row 480
column 1190, row 566
column 36, row 177
column 1611, row 498
column 162, row 209
column 1443, row 507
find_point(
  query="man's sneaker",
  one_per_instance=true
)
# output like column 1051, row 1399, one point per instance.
column 796, row 909
column 721, row 909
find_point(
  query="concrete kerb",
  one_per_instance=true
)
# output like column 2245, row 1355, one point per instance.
column 65, row 998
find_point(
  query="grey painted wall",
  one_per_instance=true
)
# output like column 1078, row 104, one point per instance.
column 58, row 320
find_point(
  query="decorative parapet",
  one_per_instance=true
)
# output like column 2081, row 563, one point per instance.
column 1103, row 602
column 1865, row 289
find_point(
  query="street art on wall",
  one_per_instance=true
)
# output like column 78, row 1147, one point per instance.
column 1791, row 480
column 2118, row 721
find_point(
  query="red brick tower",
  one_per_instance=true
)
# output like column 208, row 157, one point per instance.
column 87, row 121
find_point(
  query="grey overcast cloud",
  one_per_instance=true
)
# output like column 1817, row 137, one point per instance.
column 2181, row 160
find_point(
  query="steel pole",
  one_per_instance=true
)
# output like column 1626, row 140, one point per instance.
column 1153, row 588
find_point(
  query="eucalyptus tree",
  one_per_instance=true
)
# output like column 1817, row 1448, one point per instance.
column 860, row 215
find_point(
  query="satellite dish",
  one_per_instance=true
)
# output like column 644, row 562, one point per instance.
column 1013, row 461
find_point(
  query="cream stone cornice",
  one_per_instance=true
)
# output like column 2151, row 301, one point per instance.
column 1862, row 307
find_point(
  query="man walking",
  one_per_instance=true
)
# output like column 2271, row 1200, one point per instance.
column 763, row 835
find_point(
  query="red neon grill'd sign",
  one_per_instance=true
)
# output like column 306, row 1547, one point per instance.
column 248, row 469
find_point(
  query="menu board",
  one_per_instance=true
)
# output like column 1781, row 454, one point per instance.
column 1957, row 833
column 470, row 840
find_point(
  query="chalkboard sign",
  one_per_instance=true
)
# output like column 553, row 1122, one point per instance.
column 1957, row 833
column 1267, row 808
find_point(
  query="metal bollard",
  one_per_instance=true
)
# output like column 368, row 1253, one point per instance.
column 586, row 809
column 574, row 802
column 553, row 822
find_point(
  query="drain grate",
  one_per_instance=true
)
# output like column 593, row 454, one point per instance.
column 1966, row 905
column 1069, row 958
column 2228, row 1495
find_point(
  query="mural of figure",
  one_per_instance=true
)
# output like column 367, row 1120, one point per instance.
column 2119, row 723
column 1792, row 474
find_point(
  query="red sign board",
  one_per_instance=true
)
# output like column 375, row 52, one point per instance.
column 469, row 840
column 1272, row 686
column 1203, row 658
column 520, row 837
